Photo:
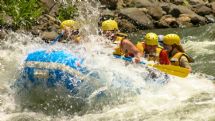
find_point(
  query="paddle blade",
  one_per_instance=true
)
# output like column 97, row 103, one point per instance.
column 173, row 70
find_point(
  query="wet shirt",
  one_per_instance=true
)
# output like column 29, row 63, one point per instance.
column 163, row 58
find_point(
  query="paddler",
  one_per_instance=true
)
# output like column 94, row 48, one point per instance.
column 152, row 51
column 123, row 46
column 70, row 31
column 176, row 53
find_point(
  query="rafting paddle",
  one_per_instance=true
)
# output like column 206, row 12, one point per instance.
column 172, row 70
column 169, row 69
column 57, row 38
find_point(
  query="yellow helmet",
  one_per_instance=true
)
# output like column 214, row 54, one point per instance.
column 171, row 39
column 70, row 23
column 109, row 25
column 151, row 39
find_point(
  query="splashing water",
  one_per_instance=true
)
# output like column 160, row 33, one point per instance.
column 179, row 99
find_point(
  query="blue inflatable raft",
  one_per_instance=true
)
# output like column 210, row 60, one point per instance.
column 49, row 70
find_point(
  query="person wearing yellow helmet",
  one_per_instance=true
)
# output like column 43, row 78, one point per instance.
column 176, row 53
column 151, row 49
column 70, row 30
column 123, row 46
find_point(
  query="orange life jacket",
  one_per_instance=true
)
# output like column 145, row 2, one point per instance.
column 141, row 45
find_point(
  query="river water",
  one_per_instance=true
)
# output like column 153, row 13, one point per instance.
column 186, row 99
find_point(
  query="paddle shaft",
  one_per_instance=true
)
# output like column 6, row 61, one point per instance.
column 57, row 38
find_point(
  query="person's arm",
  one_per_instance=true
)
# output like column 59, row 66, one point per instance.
column 127, row 45
column 185, row 63
column 163, row 58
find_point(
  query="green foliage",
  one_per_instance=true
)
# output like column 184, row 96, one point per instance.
column 67, row 12
column 1, row 12
column 23, row 12
column 1, row 21
column 186, row 3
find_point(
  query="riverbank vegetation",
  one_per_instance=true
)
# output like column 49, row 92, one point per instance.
column 24, row 14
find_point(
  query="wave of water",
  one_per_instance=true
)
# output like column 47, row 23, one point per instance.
column 190, row 98
column 180, row 99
